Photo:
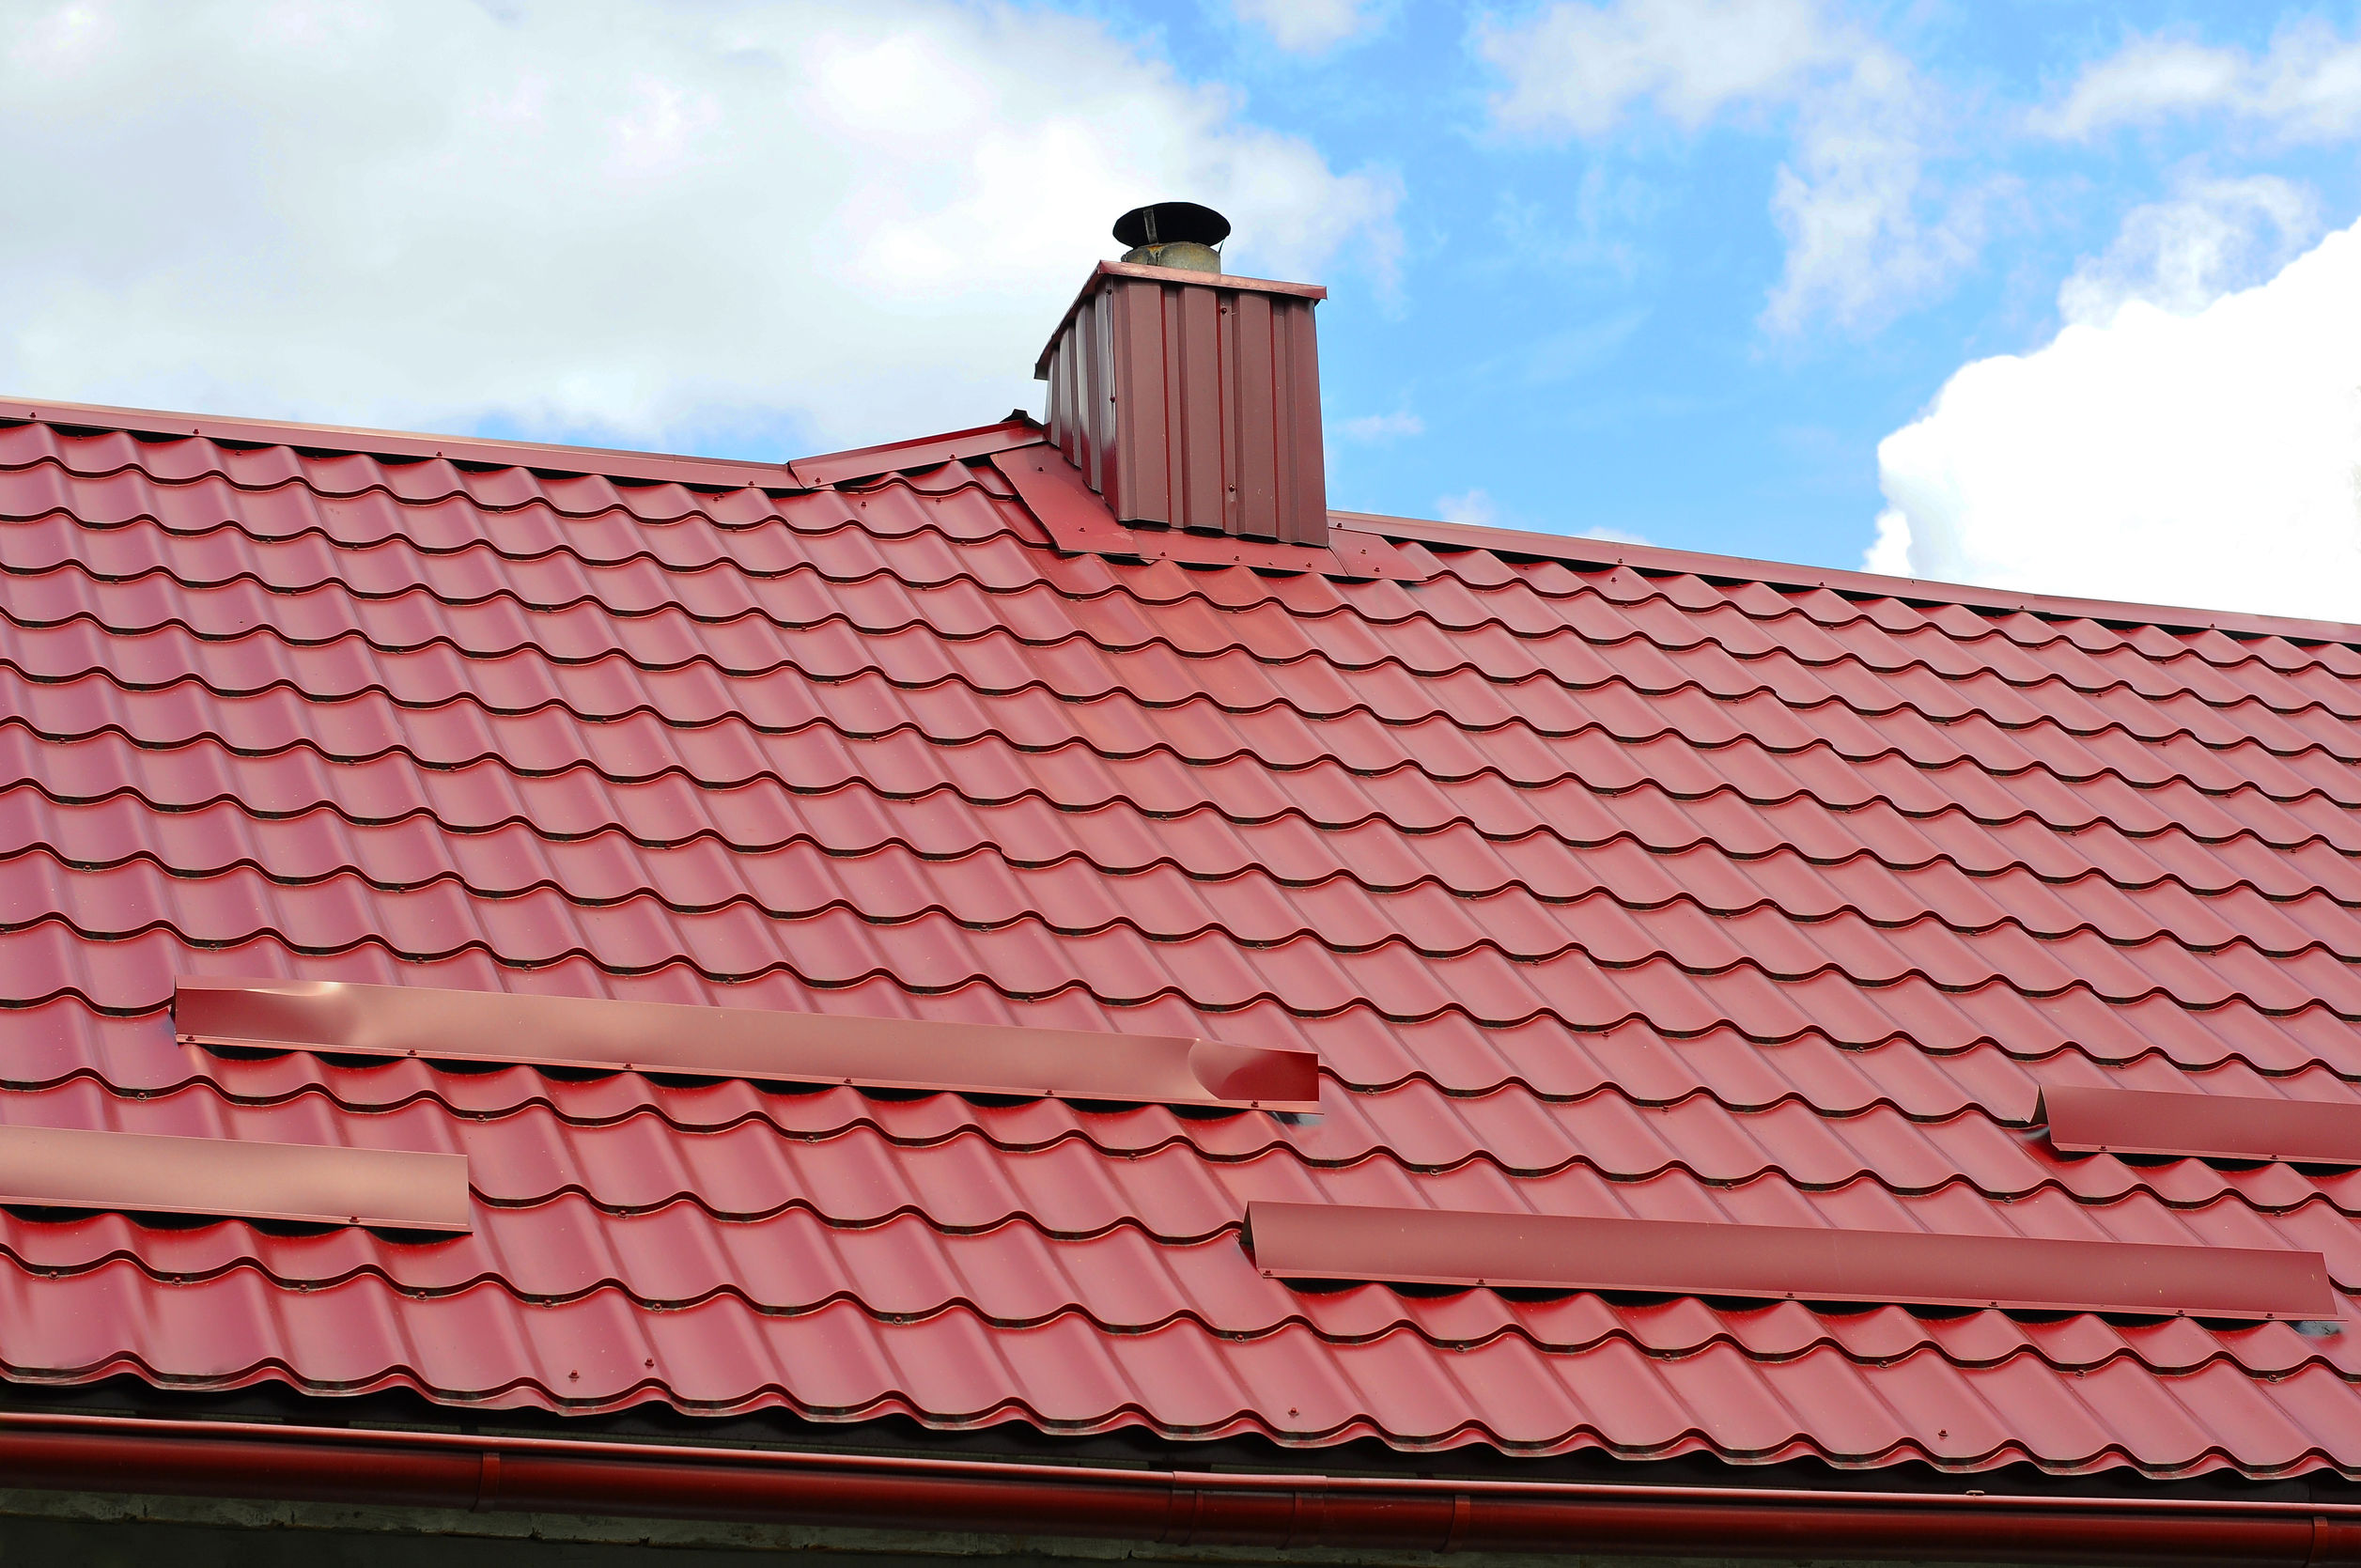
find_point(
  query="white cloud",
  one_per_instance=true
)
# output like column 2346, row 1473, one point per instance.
column 616, row 216
column 2307, row 88
column 1580, row 68
column 1889, row 554
column 1854, row 204
column 1865, row 236
column 1612, row 535
column 1309, row 26
column 2181, row 254
column 2211, row 458
column 1474, row 508
column 1382, row 427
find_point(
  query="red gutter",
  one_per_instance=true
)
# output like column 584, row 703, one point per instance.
column 427, row 1469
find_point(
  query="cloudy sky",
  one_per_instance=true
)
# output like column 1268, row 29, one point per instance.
column 2026, row 293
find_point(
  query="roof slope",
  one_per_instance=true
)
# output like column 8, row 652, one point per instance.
column 1599, row 890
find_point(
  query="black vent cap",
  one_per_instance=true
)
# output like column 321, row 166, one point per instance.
column 1167, row 222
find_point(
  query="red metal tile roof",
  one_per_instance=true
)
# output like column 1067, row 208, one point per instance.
column 1663, row 887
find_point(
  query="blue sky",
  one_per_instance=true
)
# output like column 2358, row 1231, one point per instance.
column 1578, row 325
column 2024, row 292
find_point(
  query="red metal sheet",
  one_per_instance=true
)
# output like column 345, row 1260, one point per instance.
column 1319, row 1241
column 2213, row 1126
column 722, row 1042
column 322, row 1184
column 1670, row 889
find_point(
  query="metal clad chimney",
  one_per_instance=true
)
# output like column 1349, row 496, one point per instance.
column 1190, row 398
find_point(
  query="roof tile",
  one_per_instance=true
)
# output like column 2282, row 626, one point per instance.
column 1600, row 891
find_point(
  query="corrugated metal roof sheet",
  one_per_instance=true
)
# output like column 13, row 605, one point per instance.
column 1669, row 894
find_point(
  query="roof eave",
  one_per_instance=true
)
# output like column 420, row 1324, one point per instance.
column 442, row 1469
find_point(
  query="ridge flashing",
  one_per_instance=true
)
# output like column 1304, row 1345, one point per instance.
column 1852, row 584
column 592, row 462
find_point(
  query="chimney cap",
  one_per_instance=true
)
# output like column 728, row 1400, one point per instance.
column 1167, row 222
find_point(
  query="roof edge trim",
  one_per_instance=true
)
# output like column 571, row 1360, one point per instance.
column 484, row 1472
column 606, row 1034
column 1679, row 1257
column 1852, row 584
column 1232, row 280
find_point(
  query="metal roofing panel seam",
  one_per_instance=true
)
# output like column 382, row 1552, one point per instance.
column 592, row 1353
column 985, row 767
column 1076, row 1175
column 136, row 978
column 793, row 1262
column 409, row 618
column 1629, row 842
column 65, row 1040
column 925, row 950
column 976, row 885
column 554, row 725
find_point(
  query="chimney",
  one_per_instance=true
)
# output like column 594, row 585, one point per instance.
column 1190, row 398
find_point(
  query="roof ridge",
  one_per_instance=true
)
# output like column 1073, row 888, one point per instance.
column 828, row 469
column 1844, row 918
column 1852, row 584
column 610, row 462
column 674, row 942
column 263, row 824
column 915, row 723
column 1761, row 665
column 1827, row 1333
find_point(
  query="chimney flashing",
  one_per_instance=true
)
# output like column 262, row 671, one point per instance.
column 1312, row 291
